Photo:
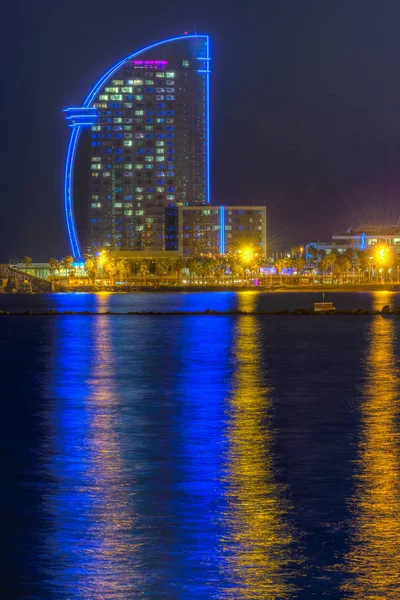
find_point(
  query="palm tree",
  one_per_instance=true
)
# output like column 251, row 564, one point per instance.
column 91, row 269
column 297, row 251
column 53, row 265
column 112, row 268
column 280, row 264
column 233, row 264
column 194, row 266
column 218, row 267
column 27, row 261
column 299, row 265
column 313, row 253
column 66, row 263
column 177, row 266
column 144, row 270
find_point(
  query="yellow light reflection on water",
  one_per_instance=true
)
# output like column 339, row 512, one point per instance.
column 258, row 540
column 373, row 561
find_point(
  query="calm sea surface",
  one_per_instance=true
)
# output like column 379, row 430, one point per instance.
column 223, row 457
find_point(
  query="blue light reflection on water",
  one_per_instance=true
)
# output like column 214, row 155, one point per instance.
column 128, row 452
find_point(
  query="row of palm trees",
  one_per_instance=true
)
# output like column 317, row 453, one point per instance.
column 366, row 265
column 202, row 269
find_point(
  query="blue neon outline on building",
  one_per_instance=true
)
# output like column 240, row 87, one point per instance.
column 90, row 113
column 222, row 229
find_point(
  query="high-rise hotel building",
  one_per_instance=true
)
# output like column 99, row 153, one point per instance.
column 139, row 143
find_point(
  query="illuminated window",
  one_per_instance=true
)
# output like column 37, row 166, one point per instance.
column 95, row 197
column 149, row 158
column 149, row 82
column 118, row 82
column 117, row 120
column 96, row 128
column 169, row 75
column 139, row 136
column 96, row 205
column 118, row 205
column 159, row 97
column 139, row 212
column 160, row 159
column 127, row 90
column 98, row 167
column 96, row 159
column 160, row 75
column 139, row 189
column 139, row 112
column 139, row 197
column 160, row 90
column 138, row 166
column 128, row 213
column 138, row 82
column 160, row 150
column 116, row 97
column 139, row 227
column 170, row 197
column 159, row 120
column 103, row 97
column 127, row 127
column 128, row 143
column 159, row 189
column 128, row 104
column 171, row 90
column 149, row 166
column 160, row 143
column 128, row 166
column 148, row 128
column 106, row 174
column 139, row 97
column 170, row 97
column 112, row 90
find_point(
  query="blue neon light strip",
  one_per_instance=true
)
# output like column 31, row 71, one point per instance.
column 203, row 71
column 75, row 132
column 84, row 116
column 222, row 229
column 209, row 134
column 68, row 200
column 82, row 124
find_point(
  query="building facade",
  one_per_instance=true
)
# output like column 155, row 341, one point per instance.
column 139, row 143
column 196, row 230
column 360, row 238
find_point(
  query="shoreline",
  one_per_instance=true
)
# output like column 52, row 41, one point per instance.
column 385, row 311
column 316, row 289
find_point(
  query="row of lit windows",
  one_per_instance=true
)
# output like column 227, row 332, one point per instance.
column 164, row 74
column 114, row 93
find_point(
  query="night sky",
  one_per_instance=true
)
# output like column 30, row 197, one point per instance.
column 305, row 107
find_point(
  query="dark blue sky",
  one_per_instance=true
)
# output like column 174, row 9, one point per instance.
column 305, row 107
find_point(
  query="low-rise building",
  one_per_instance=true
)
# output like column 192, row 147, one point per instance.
column 196, row 230
column 359, row 238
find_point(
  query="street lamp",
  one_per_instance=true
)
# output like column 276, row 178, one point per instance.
column 382, row 257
